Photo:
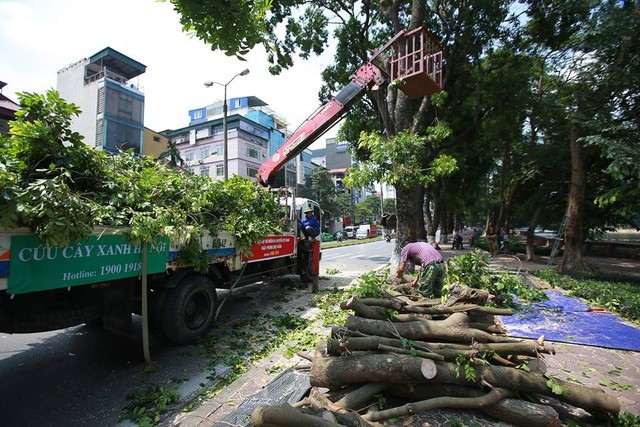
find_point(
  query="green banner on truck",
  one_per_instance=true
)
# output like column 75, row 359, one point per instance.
column 35, row 267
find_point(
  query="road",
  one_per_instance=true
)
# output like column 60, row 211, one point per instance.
column 81, row 376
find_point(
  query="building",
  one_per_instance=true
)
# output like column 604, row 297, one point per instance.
column 112, row 117
column 336, row 158
column 153, row 143
column 8, row 110
column 254, row 132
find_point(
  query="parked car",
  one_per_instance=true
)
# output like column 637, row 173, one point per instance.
column 362, row 233
column 326, row 237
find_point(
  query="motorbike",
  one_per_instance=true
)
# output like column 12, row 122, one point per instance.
column 457, row 242
column 387, row 237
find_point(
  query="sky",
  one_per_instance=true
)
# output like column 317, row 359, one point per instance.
column 40, row 37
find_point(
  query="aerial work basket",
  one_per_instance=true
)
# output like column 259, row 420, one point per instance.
column 415, row 60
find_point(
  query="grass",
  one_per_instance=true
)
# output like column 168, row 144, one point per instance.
column 349, row 242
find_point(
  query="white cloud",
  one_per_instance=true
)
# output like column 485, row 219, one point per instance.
column 39, row 37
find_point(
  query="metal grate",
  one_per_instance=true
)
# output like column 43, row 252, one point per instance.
column 289, row 387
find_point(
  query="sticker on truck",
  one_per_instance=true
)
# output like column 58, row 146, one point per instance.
column 272, row 247
column 35, row 267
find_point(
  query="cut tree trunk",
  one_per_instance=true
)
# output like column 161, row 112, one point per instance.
column 333, row 372
column 491, row 398
column 455, row 328
column 526, row 348
column 459, row 293
column 514, row 411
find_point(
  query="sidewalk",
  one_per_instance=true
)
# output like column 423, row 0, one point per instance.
column 615, row 372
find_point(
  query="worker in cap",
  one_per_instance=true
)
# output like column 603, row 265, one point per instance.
column 310, row 225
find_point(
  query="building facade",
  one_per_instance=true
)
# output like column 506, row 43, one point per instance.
column 254, row 132
column 8, row 110
column 112, row 117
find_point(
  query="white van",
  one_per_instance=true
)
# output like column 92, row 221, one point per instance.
column 362, row 233
column 350, row 231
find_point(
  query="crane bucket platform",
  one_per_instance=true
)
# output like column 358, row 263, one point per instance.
column 415, row 58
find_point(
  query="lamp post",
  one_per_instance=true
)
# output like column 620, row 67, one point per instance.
column 224, row 119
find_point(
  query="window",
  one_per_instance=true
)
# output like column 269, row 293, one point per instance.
column 197, row 114
column 203, row 133
column 189, row 156
column 122, row 137
column 291, row 179
column 204, row 171
column 237, row 103
column 156, row 139
column 252, row 152
column 205, row 152
column 252, row 171
column 218, row 151
column 123, row 105
column 219, row 170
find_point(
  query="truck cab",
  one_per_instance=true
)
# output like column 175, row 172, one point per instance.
column 350, row 231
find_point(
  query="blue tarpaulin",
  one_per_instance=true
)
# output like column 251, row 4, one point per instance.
column 566, row 319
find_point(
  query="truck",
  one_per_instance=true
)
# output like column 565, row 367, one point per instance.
column 350, row 231
column 106, row 279
column 367, row 231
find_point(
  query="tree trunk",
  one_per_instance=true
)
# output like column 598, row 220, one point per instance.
column 332, row 372
column 490, row 398
column 455, row 328
column 518, row 412
column 573, row 239
column 344, row 339
column 531, row 256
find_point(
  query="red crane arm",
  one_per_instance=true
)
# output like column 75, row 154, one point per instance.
column 367, row 76
column 414, row 59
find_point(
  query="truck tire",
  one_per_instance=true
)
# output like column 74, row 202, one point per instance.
column 189, row 309
column 304, row 267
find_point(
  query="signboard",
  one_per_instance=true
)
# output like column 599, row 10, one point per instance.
column 272, row 247
column 35, row 267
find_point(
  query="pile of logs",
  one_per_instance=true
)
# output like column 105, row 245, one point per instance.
column 426, row 355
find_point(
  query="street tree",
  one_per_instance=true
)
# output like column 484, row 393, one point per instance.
column 592, row 49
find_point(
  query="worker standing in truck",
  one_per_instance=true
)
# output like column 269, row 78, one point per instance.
column 310, row 225
column 430, row 280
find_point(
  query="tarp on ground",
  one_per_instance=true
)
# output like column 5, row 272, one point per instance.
column 567, row 319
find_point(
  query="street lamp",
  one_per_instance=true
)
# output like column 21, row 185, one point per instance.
column 224, row 119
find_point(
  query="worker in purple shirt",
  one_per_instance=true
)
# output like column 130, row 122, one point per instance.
column 431, row 278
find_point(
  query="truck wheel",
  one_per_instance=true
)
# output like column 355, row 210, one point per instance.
column 304, row 268
column 189, row 309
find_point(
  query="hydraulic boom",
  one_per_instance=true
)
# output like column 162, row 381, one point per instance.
column 414, row 57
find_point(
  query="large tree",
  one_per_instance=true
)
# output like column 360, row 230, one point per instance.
column 584, row 54
column 592, row 48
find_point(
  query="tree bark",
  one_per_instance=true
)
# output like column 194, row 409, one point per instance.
column 573, row 239
column 454, row 328
column 333, row 372
column 529, row 348
column 531, row 256
column 514, row 411
column 490, row 398
column 286, row 416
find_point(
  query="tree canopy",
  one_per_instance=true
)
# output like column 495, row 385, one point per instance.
column 540, row 113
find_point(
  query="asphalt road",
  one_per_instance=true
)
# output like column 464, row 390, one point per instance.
column 81, row 376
